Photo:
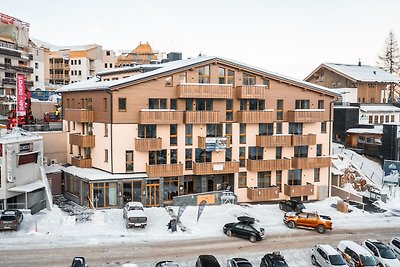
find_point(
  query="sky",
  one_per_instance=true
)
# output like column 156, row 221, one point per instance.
column 290, row 37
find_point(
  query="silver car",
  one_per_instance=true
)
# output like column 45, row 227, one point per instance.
column 326, row 256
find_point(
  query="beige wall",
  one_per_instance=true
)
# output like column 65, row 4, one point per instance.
column 39, row 108
column 55, row 146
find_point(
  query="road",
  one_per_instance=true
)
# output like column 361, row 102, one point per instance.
column 185, row 252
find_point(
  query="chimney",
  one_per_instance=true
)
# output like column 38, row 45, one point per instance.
column 359, row 62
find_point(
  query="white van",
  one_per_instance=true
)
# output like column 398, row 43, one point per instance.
column 356, row 255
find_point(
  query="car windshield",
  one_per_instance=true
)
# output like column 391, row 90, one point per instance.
column 387, row 253
column 368, row 260
column 280, row 263
column 8, row 218
column 336, row 260
column 300, row 206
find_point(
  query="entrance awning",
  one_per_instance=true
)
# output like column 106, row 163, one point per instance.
column 27, row 187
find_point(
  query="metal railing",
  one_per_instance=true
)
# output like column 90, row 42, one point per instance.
column 51, row 127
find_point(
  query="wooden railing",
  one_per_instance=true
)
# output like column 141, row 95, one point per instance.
column 201, row 117
column 256, row 116
column 201, row 142
column 304, row 140
column 311, row 163
column 262, row 194
column 148, row 144
column 81, row 140
column 160, row 116
column 252, row 91
column 200, row 90
column 81, row 162
column 298, row 190
column 215, row 167
column 273, row 140
column 164, row 170
column 268, row 165
column 306, row 115
column 78, row 115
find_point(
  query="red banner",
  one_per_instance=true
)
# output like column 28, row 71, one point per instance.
column 21, row 107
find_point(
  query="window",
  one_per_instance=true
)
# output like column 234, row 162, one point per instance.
column 105, row 130
column 201, row 155
column 300, row 151
column 110, row 65
column 188, row 159
column 255, row 153
column 71, row 149
column 221, row 76
column 229, row 110
column 157, row 103
column 294, row 177
column 266, row 129
column 108, row 53
column 376, row 118
column 147, row 131
column 36, row 78
column 173, row 134
column 242, row 156
column 302, row 104
column 182, row 78
column 230, row 78
column 392, row 118
column 168, row 81
column 228, row 154
column 8, row 61
column 317, row 175
column 129, row 161
column 295, row 128
column 323, row 126
column 204, row 74
column 105, row 106
column 279, row 109
column 319, row 150
column 264, row 179
column 188, row 104
column 279, row 128
column 386, row 118
column 172, row 104
column 79, row 62
column 73, row 125
column 105, row 155
column 174, row 156
column 188, row 134
column 381, row 119
column 80, row 72
column 204, row 104
column 214, row 130
column 242, row 180
column 320, row 104
column 242, row 134
column 278, row 152
column 158, row 157
column 371, row 119
column 266, row 82
column 252, row 104
column 121, row 104
column 278, row 179
column 249, row 79
column 228, row 130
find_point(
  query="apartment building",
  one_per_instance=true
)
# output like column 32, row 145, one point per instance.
column 142, row 54
column 39, row 64
column 194, row 126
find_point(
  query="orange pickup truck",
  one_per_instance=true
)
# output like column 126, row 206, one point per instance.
column 309, row 220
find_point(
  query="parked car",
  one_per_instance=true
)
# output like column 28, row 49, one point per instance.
column 244, row 229
column 355, row 255
column 383, row 254
column 167, row 264
column 274, row 259
column 321, row 223
column 291, row 205
column 136, row 218
column 135, row 205
column 79, row 262
column 11, row 219
column 207, row 261
column 394, row 244
column 238, row 262
column 327, row 256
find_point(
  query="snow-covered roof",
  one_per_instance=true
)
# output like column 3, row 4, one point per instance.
column 130, row 69
column 330, row 250
column 172, row 66
column 91, row 174
column 353, row 246
column 27, row 187
column 364, row 73
column 379, row 108
column 54, row 48
column 378, row 129
column 17, row 135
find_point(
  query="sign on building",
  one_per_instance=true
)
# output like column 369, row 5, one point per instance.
column 215, row 143
column 21, row 108
column 391, row 169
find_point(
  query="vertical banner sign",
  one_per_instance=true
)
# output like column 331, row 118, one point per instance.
column 181, row 209
column 21, row 108
column 201, row 208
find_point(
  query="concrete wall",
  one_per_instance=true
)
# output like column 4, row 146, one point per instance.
column 39, row 108
column 55, row 146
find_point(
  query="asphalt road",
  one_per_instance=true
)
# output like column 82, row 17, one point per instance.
column 185, row 252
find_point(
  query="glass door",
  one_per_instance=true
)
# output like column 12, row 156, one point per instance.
column 153, row 195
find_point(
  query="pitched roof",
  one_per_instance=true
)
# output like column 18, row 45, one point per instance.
column 174, row 66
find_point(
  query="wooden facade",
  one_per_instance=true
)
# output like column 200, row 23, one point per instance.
column 78, row 115
column 202, row 117
column 304, row 140
column 311, row 162
column 252, row 91
column 268, row 165
column 196, row 90
column 306, row 115
column 298, row 190
column 256, row 116
column 206, row 168
column 263, row 194
column 148, row 144
column 274, row 140
column 81, row 162
column 81, row 140
column 164, row 170
column 161, row 116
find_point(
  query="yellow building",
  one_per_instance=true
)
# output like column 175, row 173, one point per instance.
column 142, row 54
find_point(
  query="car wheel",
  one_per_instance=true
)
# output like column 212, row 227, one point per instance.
column 252, row 239
column 321, row 229
column 313, row 260
column 127, row 226
column 291, row 224
column 229, row 233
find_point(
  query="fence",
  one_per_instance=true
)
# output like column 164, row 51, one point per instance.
column 43, row 127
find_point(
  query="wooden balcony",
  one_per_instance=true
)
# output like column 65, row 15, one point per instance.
column 160, row 116
column 304, row 140
column 78, row 115
column 202, row 117
column 81, row 140
column 268, row 165
column 205, row 90
column 81, row 162
column 273, row 140
column 252, row 91
column 201, row 141
column 164, row 170
column 262, row 194
column 215, row 167
column 299, row 190
column 256, row 116
column 311, row 163
column 148, row 144
column 306, row 115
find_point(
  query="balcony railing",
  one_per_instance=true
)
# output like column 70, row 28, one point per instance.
column 148, row 144
column 273, row 140
column 311, row 163
column 215, row 167
column 299, row 190
column 256, row 116
column 205, row 90
column 304, row 140
column 81, row 140
column 164, row 170
column 201, row 117
column 160, row 116
column 81, row 162
column 305, row 115
column 268, row 165
column 262, row 194
column 252, row 91
column 202, row 141
column 78, row 115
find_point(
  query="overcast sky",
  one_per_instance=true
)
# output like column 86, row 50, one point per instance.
column 289, row 37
